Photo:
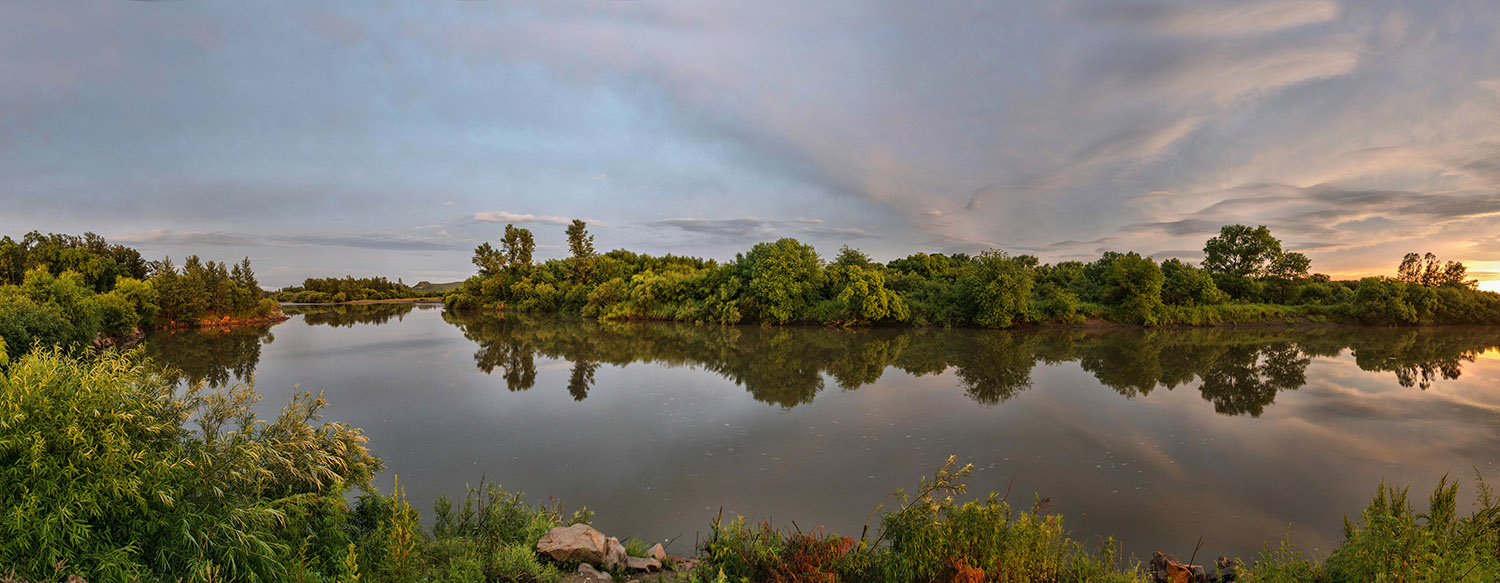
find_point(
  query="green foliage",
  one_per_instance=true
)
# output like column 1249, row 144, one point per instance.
column 1241, row 251
column 349, row 289
column 99, row 263
column 99, row 470
column 1381, row 300
column 1393, row 543
column 520, row 563
column 517, row 245
column 861, row 295
column 929, row 538
column 785, row 282
column 204, row 292
column 1426, row 271
column 580, row 242
column 784, row 278
column 1185, row 285
column 1133, row 284
column 999, row 288
column 1284, row 564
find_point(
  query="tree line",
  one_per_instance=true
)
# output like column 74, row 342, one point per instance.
column 324, row 290
column 74, row 291
column 1245, row 276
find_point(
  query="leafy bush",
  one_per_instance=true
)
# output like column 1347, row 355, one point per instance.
column 998, row 288
column 1393, row 543
column 99, row 471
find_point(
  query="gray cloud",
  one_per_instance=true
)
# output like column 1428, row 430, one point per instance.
column 1353, row 130
column 195, row 239
column 1221, row 18
column 752, row 229
column 521, row 219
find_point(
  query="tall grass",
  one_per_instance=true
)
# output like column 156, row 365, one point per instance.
column 929, row 537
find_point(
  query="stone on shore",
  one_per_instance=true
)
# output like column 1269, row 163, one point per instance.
column 591, row 574
column 643, row 564
column 614, row 553
column 656, row 552
column 579, row 542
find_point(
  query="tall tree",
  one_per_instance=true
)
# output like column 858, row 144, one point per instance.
column 488, row 259
column 1426, row 270
column 580, row 242
column 518, row 245
column 1241, row 250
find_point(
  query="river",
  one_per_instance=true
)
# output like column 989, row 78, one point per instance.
column 1158, row 437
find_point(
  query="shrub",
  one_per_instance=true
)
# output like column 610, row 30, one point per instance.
column 99, row 471
column 1392, row 543
column 1381, row 300
column 998, row 287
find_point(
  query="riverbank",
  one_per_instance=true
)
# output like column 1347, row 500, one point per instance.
column 435, row 301
column 930, row 534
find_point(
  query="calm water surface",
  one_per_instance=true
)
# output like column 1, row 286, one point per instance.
column 1157, row 437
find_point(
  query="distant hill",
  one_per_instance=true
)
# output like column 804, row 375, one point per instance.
column 427, row 286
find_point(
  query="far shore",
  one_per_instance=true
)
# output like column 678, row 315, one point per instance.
column 362, row 302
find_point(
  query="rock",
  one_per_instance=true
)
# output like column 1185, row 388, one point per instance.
column 1166, row 568
column 578, row 542
column 1228, row 569
column 642, row 564
column 591, row 574
column 75, row 579
column 614, row 553
column 656, row 552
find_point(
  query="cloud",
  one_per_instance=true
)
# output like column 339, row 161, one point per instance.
column 521, row 219
column 1222, row 18
column 231, row 239
column 1177, row 228
column 752, row 228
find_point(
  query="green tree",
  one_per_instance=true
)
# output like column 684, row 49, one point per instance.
column 861, row 294
column 1285, row 272
column 1185, row 285
column 1381, row 300
column 851, row 257
column 580, row 242
column 999, row 288
column 1133, row 286
column 1425, row 270
column 1242, row 251
column 489, row 260
column 784, row 278
column 518, row 245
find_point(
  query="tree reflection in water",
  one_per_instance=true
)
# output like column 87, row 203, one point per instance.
column 1239, row 371
column 347, row 315
column 215, row 356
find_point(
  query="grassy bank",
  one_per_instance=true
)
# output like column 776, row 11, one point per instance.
column 108, row 472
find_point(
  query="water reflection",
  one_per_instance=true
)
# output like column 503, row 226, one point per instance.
column 348, row 315
column 1239, row 371
column 644, row 420
column 215, row 356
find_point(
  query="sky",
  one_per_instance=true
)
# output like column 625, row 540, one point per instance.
column 386, row 138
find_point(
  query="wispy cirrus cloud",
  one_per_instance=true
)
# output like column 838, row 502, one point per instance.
column 521, row 219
